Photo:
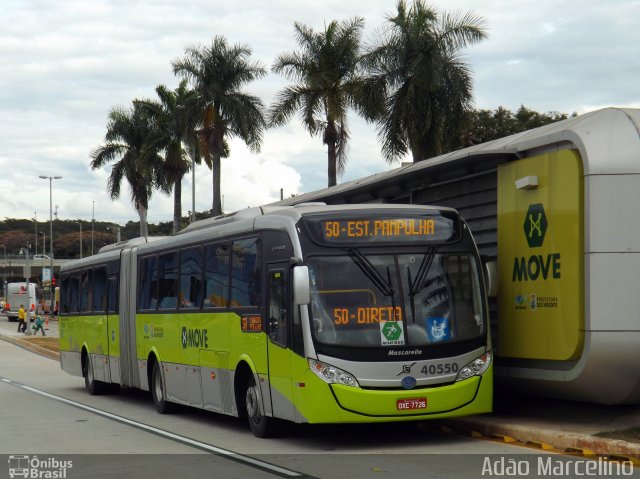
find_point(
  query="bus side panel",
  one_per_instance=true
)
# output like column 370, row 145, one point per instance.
column 113, row 339
column 196, row 353
column 69, row 344
column 94, row 329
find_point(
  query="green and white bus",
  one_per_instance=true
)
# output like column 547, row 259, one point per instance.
column 307, row 313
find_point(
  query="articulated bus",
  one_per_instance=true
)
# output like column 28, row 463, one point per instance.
column 308, row 313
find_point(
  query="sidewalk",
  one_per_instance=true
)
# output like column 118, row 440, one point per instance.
column 548, row 424
column 9, row 332
column 555, row 425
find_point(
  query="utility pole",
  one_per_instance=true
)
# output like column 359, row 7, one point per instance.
column 35, row 228
column 93, row 211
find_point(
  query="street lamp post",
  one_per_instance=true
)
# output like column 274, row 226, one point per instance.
column 35, row 227
column 44, row 242
column 4, row 276
column 80, row 223
column 51, row 178
column 93, row 211
column 193, row 190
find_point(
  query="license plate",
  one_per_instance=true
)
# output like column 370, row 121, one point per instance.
column 409, row 404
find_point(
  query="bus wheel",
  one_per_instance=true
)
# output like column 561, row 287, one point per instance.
column 94, row 387
column 157, row 391
column 261, row 425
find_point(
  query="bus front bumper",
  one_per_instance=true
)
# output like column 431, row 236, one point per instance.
column 337, row 403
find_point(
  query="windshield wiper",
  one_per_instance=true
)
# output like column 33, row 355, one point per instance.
column 415, row 286
column 425, row 266
column 371, row 272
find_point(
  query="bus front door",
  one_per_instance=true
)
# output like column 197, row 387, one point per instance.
column 279, row 353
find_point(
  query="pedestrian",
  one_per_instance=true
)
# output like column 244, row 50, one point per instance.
column 22, row 321
column 38, row 325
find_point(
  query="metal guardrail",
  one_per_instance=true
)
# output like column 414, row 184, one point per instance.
column 20, row 260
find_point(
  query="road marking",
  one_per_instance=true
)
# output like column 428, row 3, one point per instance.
column 234, row 456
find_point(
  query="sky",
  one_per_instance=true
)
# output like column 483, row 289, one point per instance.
column 65, row 64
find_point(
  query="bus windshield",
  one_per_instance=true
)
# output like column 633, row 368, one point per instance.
column 390, row 300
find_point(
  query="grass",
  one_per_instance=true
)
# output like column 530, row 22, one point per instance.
column 631, row 434
column 51, row 344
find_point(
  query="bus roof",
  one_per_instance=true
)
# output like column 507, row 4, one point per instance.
column 262, row 217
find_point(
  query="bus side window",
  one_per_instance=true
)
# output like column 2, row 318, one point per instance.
column 74, row 294
column 190, row 286
column 216, row 275
column 112, row 294
column 168, row 277
column 245, row 273
column 64, row 294
column 148, row 283
column 86, row 291
column 99, row 290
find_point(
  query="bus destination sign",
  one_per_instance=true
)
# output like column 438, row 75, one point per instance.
column 429, row 229
column 251, row 324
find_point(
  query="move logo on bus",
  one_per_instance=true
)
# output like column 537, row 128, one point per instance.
column 194, row 338
column 536, row 266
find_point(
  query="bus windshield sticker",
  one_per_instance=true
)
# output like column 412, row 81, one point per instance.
column 438, row 329
column 391, row 333
column 251, row 324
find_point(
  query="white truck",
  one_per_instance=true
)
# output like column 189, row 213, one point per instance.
column 19, row 294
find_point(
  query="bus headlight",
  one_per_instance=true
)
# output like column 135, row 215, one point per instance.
column 476, row 368
column 331, row 374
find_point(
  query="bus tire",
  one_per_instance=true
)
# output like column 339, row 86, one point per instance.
column 261, row 425
column 94, row 387
column 163, row 406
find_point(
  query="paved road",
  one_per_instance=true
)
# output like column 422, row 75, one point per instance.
column 47, row 414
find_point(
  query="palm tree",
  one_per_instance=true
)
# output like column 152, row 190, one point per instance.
column 426, row 83
column 326, row 70
column 127, row 132
column 217, row 73
column 174, row 126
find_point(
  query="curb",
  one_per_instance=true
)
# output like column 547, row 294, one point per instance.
column 31, row 347
column 547, row 439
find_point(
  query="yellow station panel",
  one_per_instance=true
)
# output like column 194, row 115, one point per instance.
column 540, row 257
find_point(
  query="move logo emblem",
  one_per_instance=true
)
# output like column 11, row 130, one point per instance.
column 537, row 266
column 194, row 338
column 535, row 225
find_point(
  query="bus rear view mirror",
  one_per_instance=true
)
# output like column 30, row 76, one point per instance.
column 491, row 278
column 301, row 285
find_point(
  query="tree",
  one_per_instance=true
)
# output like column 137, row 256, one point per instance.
column 426, row 83
column 127, row 132
column 487, row 125
column 174, row 125
column 68, row 245
column 328, row 83
column 14, row 240
column 217, row 73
